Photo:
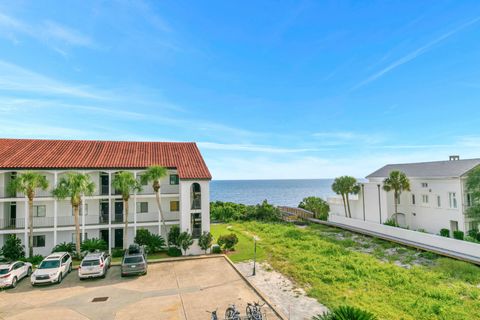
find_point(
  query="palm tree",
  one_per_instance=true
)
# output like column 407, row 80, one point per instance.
column 27, row 183
column 154, row 174
column 75, row 186
column 398, row 182
column 125, row 183
column 345, row 186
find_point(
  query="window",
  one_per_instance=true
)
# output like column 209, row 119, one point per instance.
column 173, row 179
column 39, row 210
column 439, row 202
column 452, row 199
column 424, row 185
column 413, row 199
column 469, row 199
column 196, row 225
column 142, row 207
column 39, row 241
column 425, row 198
column 80, row 210
column 174, row 206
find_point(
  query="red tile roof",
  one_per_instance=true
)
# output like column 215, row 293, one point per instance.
column 85, row 154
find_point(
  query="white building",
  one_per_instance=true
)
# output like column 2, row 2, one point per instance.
column 437, row 198
column 185, row 191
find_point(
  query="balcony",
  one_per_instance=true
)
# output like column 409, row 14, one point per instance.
column 4, row 193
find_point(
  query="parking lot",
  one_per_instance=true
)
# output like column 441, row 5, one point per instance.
column 171, row 290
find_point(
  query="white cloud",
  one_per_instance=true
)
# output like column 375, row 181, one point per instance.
column 414, row 54
column 335, row 138
column 52, row 33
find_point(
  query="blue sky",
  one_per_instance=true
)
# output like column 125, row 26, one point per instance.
column 268, row 89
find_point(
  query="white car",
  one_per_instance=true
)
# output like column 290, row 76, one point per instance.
column 13, row 272
column 52, row 269
column 94, row 265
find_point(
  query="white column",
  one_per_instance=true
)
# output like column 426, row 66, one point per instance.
column 134, row 208
column 26, row 226
column 55, row 209
column 110, row 212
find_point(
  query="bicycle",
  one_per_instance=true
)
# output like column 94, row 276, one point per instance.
column 254, row 311
column 232, row 313
column 213, row 315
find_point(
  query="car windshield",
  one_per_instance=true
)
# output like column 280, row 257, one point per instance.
column 90, row 263
column 4, row 271
column 49, row 264
column 138, row 259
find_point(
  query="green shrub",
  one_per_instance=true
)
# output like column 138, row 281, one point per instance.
column 228, row 242
column 64, row 247
column 445, row 233
column 458, row 235
column 94, row 244
column 153, row 242
column 205, row 241
column 470, row 239
column 422, row 230
column 13, row 248
column 216, row 249
column 318, row 206
column 117, row 253
column 173, row 235
column 35, row 260
column 472, row 233
column 185, row 240
column 391, row 222
column 228, row 211
column 478, row 236
column 174, row 252
column 346, row 313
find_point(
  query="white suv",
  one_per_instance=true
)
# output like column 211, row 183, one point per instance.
column 94, row 265
column 52, row 269
column 13, row 272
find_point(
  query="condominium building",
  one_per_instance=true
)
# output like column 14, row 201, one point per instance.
column 437, row 198
column 184, row 192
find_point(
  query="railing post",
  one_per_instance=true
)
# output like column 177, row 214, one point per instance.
column 55, row 213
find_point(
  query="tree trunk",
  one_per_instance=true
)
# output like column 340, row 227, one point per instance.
column 348, row 205
column 125, row 230
column 160, row 216
column 76, row 209
column 396, row 207
column 30, row 227
column 344, row 205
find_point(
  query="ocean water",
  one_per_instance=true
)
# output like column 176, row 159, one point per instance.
column 278, row 192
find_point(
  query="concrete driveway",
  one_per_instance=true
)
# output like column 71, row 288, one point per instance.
column 171, row 290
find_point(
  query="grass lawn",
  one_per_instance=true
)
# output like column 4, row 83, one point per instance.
column 244, row 249
column 334, row 274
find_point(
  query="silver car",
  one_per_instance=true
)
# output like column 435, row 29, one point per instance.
column 94, row 265
column 134, row 261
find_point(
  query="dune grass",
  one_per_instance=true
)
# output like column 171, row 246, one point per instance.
column 336, row 275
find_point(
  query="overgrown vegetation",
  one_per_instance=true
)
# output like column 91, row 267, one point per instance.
column 346, row 313
column 229, row 211
column 316, row 205
column 333, row 271
column 92, row 245
column 228, row 241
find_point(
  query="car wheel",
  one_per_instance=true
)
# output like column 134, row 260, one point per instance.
column 29, row 272
column 59, row 280
column 14, row 282
column 70, row 268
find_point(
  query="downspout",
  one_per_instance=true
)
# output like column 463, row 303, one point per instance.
column 363, row 200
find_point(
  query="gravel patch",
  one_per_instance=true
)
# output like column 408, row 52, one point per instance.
column 282, row 292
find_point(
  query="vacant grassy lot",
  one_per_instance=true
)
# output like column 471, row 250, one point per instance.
column 346, row 270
